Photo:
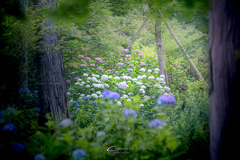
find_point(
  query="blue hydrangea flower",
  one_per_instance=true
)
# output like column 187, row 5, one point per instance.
column 79, row 153
column 166, row 99
column 156, row 123
column 37, row 109
column 74, row 103
column 18, row 147
column 86, row 98
column 101, row 133
column 79, row 109
column 10, row 127
column 111, row 95
column 39, row 156
column 128, row 112
column 94, row 104
column 35, row 91
column 24, row 90
column 66, row 122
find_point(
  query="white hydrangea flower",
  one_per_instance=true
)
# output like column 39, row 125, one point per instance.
column 101, row 86
column 139, row 77
column 77, row 83
column 141, row 105
column 129, row 100
column 143, row 87
column 85, row 74
column 124, row 96
column 157, row 85
column 166, row 88
column 119, row 103
column 95, row 85
column 149, row 70
column 87, row 86
column 139, row 83
column 92, row 89
column 106, row 85
column 68, row 93
column 141, row 90
column 151, row 77
column 160, row 79
column 93, row 75
column 94, row 79
column 89, row 96
column 110, row 77
column 144, row 76
column 97, row 76
column 82, row 95
column 156, row 69
column 88, row 81
column 125, row 77
column 94, row 96
column 81, row 85
column 79, row 79
column 104, row 77
column 100, row 96
column 98, row 92
column 142, row 69
column 98, row 81
column 82, row 82
column 89, row 78
column 162, row 76
column 122, row 85
column 134, row 79
column 130, row 93
column 116, row 78
column 80, row 98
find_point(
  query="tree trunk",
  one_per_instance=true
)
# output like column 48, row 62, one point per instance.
column 53, row 91
column 160, row 50
column 224, row 45
column 189, row 59
column 139, row 30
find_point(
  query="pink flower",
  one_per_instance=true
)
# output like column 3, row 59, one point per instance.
column 151, row 57
column 71, row 89
column 68, row 81
column 128, row 56
column 140, row 55
column 81, row 56
column 120, row 59
column 119, row 64
column 82, row 65
column 109, row 70
column 125, row 50
column 178, row 67
column 87, row 58
column 129, row 69
column 99, row 60
column 73, row 72
column 136, row 50
column 174, row 64
column 76, row 78
column 142, row 64
column 92, row 64
column 99, row 68
column 130, row 65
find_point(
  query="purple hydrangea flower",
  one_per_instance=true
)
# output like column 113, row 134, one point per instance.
column 140, row 55
column 178, row 67
column 94, row 104
column 174, row 64
column 130, row 69
column 71, row 89
column 111, row 95
column 18, row 147
column 109, row 70
column 10, row 127
column 151, row 57
column 68, row 81
column 128, row 56
column 80, row 56
column 82, row 65
column 142, row 64
column 99, row 60
column 66, row 122
column 136, row 50
column 39, row 156
column 119, row 64
column 125, row 50
column 166, row 99
column 156, row 123
column 99, row 68
column 73, row 72
column 128, row 112
column 87, row 58
column 92, row 64
column 79, row 153
column 130, row 65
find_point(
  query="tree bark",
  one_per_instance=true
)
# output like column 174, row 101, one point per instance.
column 139, row 30
column 224, row 45
column 53, row 91
column 160, row 50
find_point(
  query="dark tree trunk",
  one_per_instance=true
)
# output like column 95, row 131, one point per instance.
column 160, row 50
column 224, row 47
column 52, row 90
